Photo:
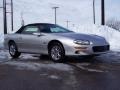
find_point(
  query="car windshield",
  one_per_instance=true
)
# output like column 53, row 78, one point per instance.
column 53, row 29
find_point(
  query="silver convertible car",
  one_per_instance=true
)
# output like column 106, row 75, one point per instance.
column 55, row 41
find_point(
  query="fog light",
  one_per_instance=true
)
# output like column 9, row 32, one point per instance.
column 81, row 48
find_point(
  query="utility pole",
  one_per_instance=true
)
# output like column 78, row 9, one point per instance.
column 102, row 12
column 3, row 9
column 12, row 15
column 94, row 11
column 67, row 23
column 5, row 16
column 55, row 8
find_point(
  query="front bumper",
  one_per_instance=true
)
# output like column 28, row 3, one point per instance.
column 87, row 50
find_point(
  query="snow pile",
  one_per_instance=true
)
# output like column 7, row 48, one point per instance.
column 1, row 40
column 111, row 35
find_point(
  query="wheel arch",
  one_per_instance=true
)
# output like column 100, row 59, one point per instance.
column 55, row 41
column 11, row 41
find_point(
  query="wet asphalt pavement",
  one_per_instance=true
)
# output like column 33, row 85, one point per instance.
column 31, row 72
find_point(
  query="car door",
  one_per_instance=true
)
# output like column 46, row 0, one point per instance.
column 29, row 42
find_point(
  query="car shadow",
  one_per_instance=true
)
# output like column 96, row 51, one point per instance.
column 46, row 59
column 70, row 59
column 80, row 60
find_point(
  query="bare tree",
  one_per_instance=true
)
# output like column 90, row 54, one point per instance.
column 113, row 23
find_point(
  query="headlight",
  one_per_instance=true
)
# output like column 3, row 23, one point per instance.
column 82, row 42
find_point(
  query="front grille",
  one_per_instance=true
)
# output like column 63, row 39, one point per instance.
column 101, row 48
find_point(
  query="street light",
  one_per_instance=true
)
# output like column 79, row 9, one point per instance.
column 55, row 8
column 5, row 16
column 94, row 11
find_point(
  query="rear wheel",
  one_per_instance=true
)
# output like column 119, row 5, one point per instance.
column 13, row 50
column 57, row 52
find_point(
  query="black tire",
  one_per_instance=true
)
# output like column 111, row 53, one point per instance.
column 57, row 52
column 89, row 56
column 13, row 50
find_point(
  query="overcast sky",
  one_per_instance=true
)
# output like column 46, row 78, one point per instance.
column 77, row 11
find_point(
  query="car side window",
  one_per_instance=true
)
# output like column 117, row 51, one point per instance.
column 30, row 30
column 45, row 29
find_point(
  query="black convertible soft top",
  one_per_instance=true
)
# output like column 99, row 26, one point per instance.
column 33, row 24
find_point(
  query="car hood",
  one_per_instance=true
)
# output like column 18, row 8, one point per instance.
column 80, row 36
column 93, row 38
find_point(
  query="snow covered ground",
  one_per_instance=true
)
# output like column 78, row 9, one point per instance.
column 111, row 35
column 38, row 66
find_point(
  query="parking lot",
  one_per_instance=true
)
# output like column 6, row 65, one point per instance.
column 32, row 72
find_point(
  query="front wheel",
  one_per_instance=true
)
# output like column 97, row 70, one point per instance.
column 57, row 52
column 13, row 50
